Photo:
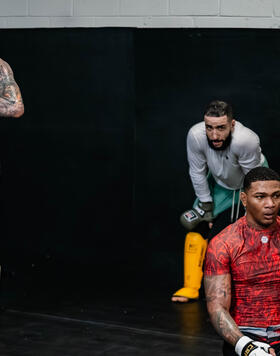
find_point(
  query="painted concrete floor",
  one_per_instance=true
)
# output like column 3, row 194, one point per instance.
column 104, row 322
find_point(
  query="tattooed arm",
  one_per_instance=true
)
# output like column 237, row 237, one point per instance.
column 11, row 104
column 218, row 297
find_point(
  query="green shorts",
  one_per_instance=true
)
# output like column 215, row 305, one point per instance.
column 222, row 197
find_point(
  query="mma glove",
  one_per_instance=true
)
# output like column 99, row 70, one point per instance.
column 248, row 347
column 201, row 212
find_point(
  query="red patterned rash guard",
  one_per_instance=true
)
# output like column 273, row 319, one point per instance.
column 252, row 257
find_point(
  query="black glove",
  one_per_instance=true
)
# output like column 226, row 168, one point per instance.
column 202, row 212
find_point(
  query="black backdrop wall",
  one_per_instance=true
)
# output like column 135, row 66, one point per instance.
column 94, row 175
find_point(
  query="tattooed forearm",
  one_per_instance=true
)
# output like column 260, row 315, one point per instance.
column 218, row 295
column 11, row 104
column 225, row 326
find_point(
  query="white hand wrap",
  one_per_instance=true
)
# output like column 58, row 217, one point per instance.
column 246, row 346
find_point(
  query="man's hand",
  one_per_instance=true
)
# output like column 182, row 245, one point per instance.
column 248, row 347
column 202, row 212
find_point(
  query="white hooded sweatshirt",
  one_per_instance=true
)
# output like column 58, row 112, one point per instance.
column 228, row 166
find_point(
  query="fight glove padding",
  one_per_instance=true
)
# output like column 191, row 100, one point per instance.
column 201, row 212
column 248, row 347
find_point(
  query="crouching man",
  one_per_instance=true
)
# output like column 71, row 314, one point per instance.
column 242, row 272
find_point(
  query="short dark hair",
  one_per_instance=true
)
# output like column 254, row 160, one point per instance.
column 259, row 174
column 219, row 108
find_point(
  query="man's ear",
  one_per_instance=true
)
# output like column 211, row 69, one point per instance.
column 232, row 124
column 243, row 198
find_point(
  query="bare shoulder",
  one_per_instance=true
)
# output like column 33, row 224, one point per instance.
column 11, row 104
column 2, row 61
column 5, row 65
column 6, row 74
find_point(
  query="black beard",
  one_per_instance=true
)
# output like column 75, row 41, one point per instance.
column 225, row 144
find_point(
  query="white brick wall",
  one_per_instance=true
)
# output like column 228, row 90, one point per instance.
column 250, row 8
column 50, row 8
column 195, row 7
column 140, row 13
column 144, row 7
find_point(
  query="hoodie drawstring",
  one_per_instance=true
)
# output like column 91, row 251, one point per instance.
column 232, row 206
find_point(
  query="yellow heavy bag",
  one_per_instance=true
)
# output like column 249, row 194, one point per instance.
column 194, row 253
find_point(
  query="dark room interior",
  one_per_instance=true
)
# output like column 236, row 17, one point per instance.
column 94, row 177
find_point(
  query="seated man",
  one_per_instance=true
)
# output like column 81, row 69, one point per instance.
column 242, row 271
